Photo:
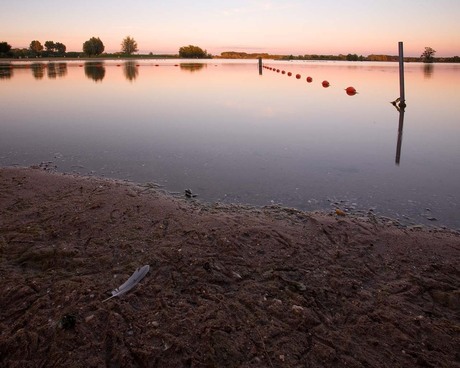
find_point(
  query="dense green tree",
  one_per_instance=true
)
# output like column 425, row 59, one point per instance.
column 54, row 48
column 193, row 52
column 49, row 46
column 352, row 57
column 36, row 47
column 129, row 45
column 428, row 55
column 93, row 46
column 4, row 48
column 60, row 48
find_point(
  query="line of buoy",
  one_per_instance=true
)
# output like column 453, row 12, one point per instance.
column 351, row 91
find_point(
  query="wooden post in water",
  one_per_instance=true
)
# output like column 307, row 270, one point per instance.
column 260, row 66
column 402, row 96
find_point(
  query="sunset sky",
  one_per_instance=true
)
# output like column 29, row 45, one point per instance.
column 287, row 27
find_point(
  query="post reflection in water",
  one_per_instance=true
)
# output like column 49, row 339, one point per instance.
column 95, row 71
column 130, row 70
column 400, row 136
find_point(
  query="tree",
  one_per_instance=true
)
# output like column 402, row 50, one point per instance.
column 60, row 48
column 193, row 52
column 36, row 47
column 352, row 57
column 50, row 46
column 128, row 45
column 93, row 46
column 54, row 48
column 428, row 55
column 4, row 48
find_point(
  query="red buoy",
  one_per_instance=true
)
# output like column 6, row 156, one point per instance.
column 325, row 84
column 289, row 74
column 298, row 76
column 277, row 70
column 351, row 91
column 309, row 79
column 283, row 72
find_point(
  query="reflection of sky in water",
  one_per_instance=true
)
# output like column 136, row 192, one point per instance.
column 233, row 135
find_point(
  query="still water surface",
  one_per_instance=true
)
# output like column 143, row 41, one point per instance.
column 232, row 135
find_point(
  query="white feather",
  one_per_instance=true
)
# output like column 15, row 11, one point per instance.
column 137, row 276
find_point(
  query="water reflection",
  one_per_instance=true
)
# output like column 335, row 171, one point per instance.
column 428, row 70
column 192, row 67
column 130, row 70
column 38, row 70
column 6, row 71
column 239, row 137
column 57, row 70
column 400, row 136
column 95, row 71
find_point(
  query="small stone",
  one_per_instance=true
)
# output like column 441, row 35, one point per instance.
column 339, row 212
column 297, row 309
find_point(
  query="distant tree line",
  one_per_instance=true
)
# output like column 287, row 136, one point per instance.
column 244, row 55
column 95, row 47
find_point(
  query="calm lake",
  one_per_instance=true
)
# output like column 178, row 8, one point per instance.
column 234, row 136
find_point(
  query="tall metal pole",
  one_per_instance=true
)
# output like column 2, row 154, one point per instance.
column 402, row 96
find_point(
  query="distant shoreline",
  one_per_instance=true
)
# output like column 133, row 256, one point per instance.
column 240, row 56
column 88, row 59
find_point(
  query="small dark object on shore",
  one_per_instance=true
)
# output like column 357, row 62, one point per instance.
column 189, row 194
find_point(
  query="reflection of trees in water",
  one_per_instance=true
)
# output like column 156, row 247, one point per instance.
column 6, row 71
column 130, row 70
column 192, row 67
column 38, row 70
column 95, row 71
column 57, row 70
column 428, row 70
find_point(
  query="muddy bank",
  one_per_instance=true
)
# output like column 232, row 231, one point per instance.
column 228, row 286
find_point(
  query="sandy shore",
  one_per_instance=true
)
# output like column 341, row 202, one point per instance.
column 228, row 286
